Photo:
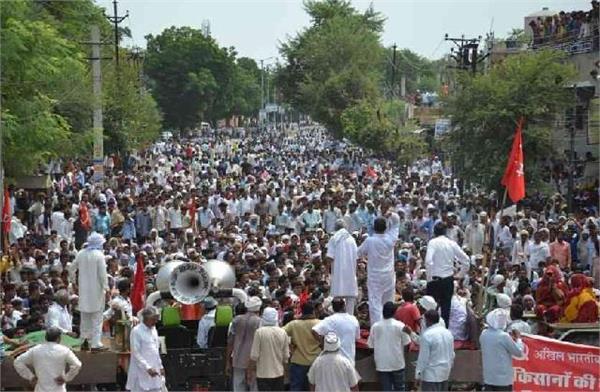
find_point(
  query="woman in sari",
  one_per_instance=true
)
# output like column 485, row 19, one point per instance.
column 581, row 305
column 550, row 295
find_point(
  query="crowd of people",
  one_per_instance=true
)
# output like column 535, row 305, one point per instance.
column 330, row 243
column 566, row 27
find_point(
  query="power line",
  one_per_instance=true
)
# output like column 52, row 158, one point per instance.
column 116, row 20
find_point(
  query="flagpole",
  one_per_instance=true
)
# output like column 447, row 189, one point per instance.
column 486, row 280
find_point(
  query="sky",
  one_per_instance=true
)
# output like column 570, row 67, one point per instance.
column 256, row 27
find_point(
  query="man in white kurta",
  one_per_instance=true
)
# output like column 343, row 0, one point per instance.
column 93, row 285
column 146, row 372
column 379, row 250
column 58, row 313
column 49, row 362
column 342, row 249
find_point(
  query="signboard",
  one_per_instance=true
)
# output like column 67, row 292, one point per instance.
column 271, row 108
column 442, row 126
column 552, row 365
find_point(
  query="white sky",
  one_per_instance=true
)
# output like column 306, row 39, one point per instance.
column 255, row 27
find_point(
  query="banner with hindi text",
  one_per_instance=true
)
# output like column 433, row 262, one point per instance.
column 552, row 365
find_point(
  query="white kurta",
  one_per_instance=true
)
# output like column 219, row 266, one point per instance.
column 381, row 277
column 145, row 355
column 93, row 281
column 342, row 249
column 49, row 361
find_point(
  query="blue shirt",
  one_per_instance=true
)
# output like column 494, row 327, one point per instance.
column 497, row 350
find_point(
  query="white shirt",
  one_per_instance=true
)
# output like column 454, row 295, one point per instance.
column 379, row 249
column 474, row 237
column 145, row 355
column 538, row 252
column 49, row 361
column 440, row 257
column 124, row 304
column 457, row 323
column 175, row 218
column 332, row 371
column 59, row 317
column 388, row 341
column 347, row 329
column 204, row 325
column 436, row 354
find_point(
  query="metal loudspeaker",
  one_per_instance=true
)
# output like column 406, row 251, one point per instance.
column 187, row 282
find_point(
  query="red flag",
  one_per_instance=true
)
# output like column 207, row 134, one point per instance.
column 138, row 292
column 371, row 172
column 6, row 213
column 514, row 175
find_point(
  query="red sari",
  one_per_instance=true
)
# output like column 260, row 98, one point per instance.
column 550, row 295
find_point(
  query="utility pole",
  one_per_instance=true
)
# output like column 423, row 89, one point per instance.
column 393, row 71
column 467, row 56
column 116, row 20
column 262, row 84
column 98, row 155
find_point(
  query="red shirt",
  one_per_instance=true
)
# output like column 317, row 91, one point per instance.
column 409, row 314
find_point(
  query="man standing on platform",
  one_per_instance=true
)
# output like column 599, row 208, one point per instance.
column 49, row 361
column 379, row 249
column 439, row 263
column 93, row 286
column 342, row 250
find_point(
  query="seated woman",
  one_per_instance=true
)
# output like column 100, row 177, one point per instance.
column 580, row 305
column 550, row 295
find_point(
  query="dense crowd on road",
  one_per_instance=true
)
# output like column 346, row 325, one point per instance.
column 323, row 237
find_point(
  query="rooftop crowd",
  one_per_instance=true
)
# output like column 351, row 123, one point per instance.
column 276, row 207
column 566, row 27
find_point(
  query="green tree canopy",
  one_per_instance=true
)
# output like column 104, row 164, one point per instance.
column 194, row 79
column 47, row 97
column 334, row 63
column 485, row 109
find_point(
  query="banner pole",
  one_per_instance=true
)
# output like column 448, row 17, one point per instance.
column 486, row 281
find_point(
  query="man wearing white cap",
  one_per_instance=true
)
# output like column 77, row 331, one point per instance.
column 342, row 250
column 239, row 346
column 93, row 286
column 269, row 353
column 332, row 371
column 497, row 350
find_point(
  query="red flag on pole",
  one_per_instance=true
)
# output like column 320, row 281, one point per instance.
column 6, row 213
column 514, row 175
column 138, row 292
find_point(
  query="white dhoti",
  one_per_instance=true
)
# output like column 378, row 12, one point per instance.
column 91, row 328
column 381, row 290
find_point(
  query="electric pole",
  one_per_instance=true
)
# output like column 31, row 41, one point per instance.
column 116, row 20
column 467, row 56
column 262, row 84
column 97, row 126
column 394, row 70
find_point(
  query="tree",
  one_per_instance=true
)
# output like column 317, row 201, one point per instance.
column 485, row 109
column 333, row 64
column 377, row 126
column 194, row 79
column 42, row 73
column 47, row 97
